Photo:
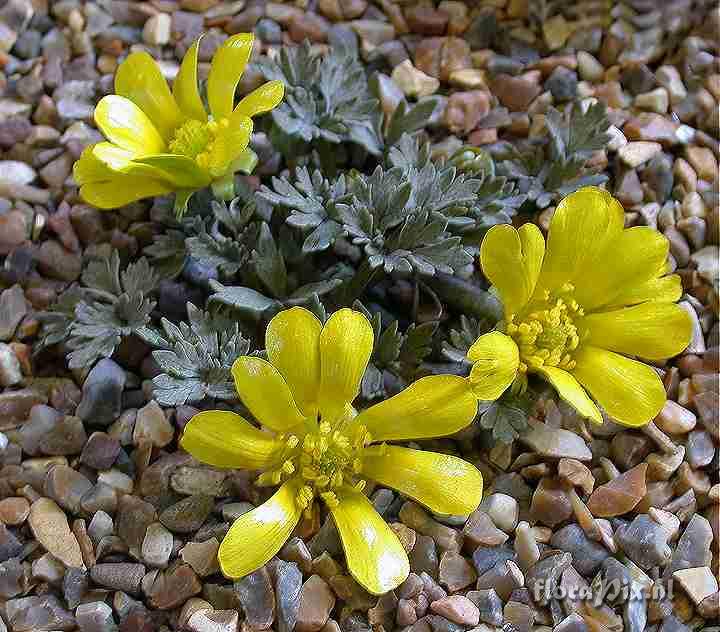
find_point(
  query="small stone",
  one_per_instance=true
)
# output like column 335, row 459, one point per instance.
column 13, row 232
column 413, row 82
column 66, row 486
column 502, row 509
column 587, row 555
column 133, row 517
column 480, row 529
column 693, row 547
column 620, row 495
column 699, row 449
column 156, row 31
column 119, row 576
column 202, row 556
column 458, row 609
column 316, row 603
column 464, row 110
column 576, row 474
column 257, row 598
column 95, row 616
column 655, row 101
column 637, row 153
column 157, row 545
column 173, row 587
column 418, row 519
column 50, row 527
column 703, row 161
column 544, row 576
column 215, row 621
column 288, row 586
column 454, row 572
column 10, row 370
column 45, row 612
column 441, row 56
column 56, row 262
column 644, row 541
column 550, row 503
column 699, row 583
column 674, row 419
column 14, row 511
column 669, row 78
column 188, row 514
column 100, row 451
column 102, row 394
column 13, row 306
column 590, row 69
column 12, row 577
column 10, row 546
column 515, row 93
column 555, row 443
column 373, row 33
column 562, row 84
column 152, row 425
column 526, row 546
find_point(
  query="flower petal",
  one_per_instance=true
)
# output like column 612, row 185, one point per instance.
column 125, row 124
column 255, row 537
column 262, row 99
column 433, row 406
column 633, row 258
column 629, row 391
column 375, row 557
column 346, row 343
column 583, row 224
column 443, row 483
column 663, row 289
column 226, row 68
column 185, row 88
column 224, row 439
column 649, row 330
column 266, row 394
column 182, row 171
column 229, row 144
column 570, row 391
column 292, row 342
column 139, row 79
column 511, row 259
column 121, row 190
column 495, row 359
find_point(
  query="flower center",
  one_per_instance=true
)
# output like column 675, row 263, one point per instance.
column 197, row 140
column 326, row 460
column 545, row 333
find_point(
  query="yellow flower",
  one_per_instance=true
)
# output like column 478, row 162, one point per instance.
column 314, row 444
column 160, row 141
column 572, row 308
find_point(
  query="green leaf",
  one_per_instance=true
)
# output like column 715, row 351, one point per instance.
column 408, row 119
column 269, row 263
column 507, row 417
column 244, row 299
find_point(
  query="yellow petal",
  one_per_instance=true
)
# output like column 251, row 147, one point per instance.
column 228, row 65
column 495, row 359
column 570, row 391
column 663, row 289
column 511, row 260
column 443, row 483
column 139, row 79
column 582, row 226
column 433, row 406
column 89, row 168
column 224, row 439
column 266, row 394
column 262, row 99
column 185, row 87
column 181, row 171
column 292, row 342
column 229, row 144
column 375, row 557
column 121, row 190
column 632, row 259
column 126, row 125
column 649, row 330
column 346, row 343
column 255, row 537
column 629, row 391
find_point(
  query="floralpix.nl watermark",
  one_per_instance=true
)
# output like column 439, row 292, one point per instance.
column 611, row 591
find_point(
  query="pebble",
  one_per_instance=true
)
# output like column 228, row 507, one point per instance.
column 95, row 616
column 656, row 100
column 699, row 583
column 157, row 545
column 152, row 425
column 544, row 576
column 550, row 503
column 637, row 153
column 188, row 514
column 439, row 57
column 10, row 546
column 576, row 473
column 101, row 401
column 13, row 306
column 515, row 93
column 173, row 587
column 555, row 443
column 455, row 572
column 44, row 612
column 257, row 597
column 700, row 449
column 66, row 486
column 674, row 419
column 589, row 67
column 100, row 451
column 213, row 621
column 480, row 529
column 119, row 576
column 10, row 370
column 316, row 602
column 14, row 511
column 587, row 555
column 134, row 516
column 669, row 78
column 693, row 547
column 413, row 82
column 644, row 541
column 458, row 609
column 288, row 586
column 619, row 495
column 202, row 556
column 156, row 31
column 502, row 509
column 50, row 527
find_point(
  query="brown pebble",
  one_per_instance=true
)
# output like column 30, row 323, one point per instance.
column 14, row 510
column 619, row 495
